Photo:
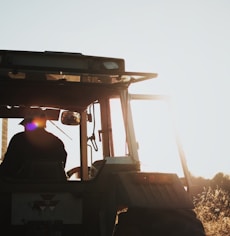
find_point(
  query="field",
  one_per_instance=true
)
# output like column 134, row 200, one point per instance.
column 212, row 206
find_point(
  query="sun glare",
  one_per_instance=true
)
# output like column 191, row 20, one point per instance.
column 158, row 147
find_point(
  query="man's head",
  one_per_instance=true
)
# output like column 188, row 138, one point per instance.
column 32, row 123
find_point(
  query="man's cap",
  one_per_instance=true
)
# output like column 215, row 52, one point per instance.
column 26, row 121
column 38, row 120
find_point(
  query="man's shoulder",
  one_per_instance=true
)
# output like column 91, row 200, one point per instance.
column 20, row 134
column 18, row 138
column 51, row 135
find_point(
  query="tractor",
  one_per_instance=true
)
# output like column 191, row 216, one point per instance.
column 110, row 186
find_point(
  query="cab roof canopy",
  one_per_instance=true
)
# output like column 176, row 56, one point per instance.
column 60, row 79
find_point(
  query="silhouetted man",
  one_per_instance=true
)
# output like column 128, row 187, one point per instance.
column 29, row 148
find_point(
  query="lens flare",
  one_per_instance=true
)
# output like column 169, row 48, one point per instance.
column 31, row 126
column 37, row 123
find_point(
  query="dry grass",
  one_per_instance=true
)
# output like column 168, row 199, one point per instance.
column 213, row 209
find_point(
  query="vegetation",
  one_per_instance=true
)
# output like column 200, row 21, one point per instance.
column 212, row 204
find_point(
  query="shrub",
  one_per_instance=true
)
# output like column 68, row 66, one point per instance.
column 212, row 207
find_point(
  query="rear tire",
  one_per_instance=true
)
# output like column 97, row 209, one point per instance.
column 145, row 222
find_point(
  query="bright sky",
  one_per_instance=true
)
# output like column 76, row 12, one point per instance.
column 185, row 41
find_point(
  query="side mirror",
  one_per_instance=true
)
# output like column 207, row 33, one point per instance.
column 70, row 118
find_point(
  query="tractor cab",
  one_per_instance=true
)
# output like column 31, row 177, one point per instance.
column 72, row 90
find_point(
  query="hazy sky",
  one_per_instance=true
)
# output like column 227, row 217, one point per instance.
column 186, row 42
